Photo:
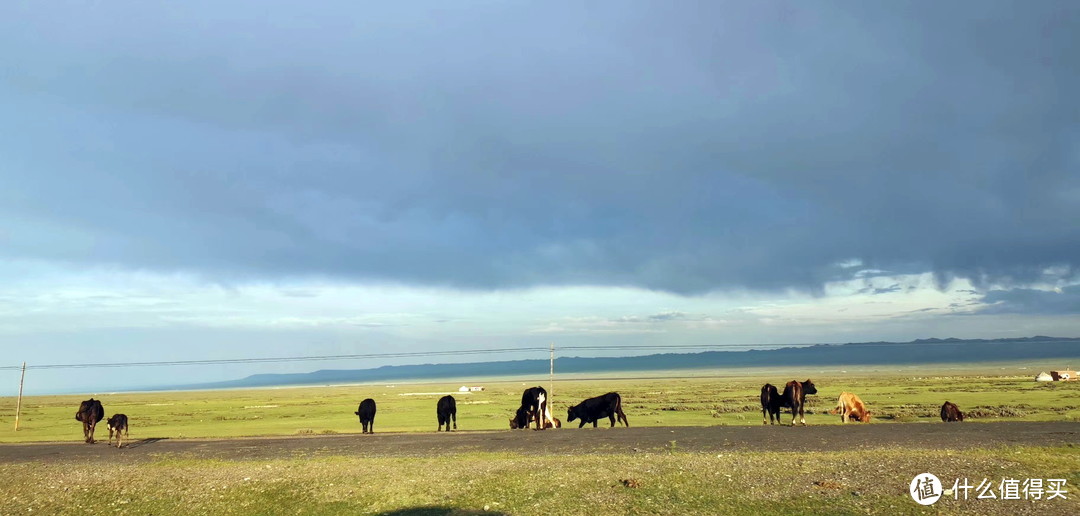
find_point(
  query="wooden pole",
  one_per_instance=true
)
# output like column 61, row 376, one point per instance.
column 18, row 404
column 551, row 376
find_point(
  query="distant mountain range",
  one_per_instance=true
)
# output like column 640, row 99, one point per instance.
column 921, row 351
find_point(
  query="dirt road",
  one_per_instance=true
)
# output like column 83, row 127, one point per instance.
column 568, row 441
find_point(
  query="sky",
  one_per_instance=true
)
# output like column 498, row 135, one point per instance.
column 204, row 180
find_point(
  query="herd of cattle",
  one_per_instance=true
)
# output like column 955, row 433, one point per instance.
column 534, row 409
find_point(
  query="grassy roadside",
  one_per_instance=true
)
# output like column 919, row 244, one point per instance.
column 673, row 482
column 896, row 395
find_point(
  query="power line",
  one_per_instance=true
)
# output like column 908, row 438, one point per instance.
column 418, row 354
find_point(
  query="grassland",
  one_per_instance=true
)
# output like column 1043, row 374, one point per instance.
column 872, row 480
column 740, row 482
column 983, row 391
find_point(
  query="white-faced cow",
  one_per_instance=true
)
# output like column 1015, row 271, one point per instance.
column 593, row 409
column 90, row 413
column 534, row 407
column 366, row 411
column 793, row 397
column 446, row 410
column 117, row 423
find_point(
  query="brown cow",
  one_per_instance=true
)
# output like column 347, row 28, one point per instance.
column 793, row 397
column 951, row 413
column 849, row 406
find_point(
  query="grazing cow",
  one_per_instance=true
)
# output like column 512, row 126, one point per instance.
column 849, row 406
column 366, row 411
column 117, row 423
column 90, row 413
column 534, row 407
column 592, row 409
column 793, row 397
column 951, row 413
column 446, row 410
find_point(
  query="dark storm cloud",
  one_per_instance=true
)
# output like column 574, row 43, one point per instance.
column 682, row 148
column 1030, row 301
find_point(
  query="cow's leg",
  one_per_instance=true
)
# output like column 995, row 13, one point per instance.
column 794, row 413
column 764, row 412
column 453, row 415
column 624, row 421
column 110, row 435
column 93, row 426
column 86, row 432
column 802, row 418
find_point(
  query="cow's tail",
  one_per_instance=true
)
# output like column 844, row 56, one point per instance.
column 839, row 407
column 619, row 415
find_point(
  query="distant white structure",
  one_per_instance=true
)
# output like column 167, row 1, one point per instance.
column 1044, row 377
column 465, row 388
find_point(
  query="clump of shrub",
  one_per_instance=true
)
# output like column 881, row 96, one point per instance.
column 997, row 411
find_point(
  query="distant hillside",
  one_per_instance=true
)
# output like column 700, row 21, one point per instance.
column 922, row 351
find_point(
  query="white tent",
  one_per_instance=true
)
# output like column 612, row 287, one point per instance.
column 1044, row 377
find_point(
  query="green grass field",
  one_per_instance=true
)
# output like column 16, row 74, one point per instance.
column 983, row 391
column 741, row 482
column 868, row 481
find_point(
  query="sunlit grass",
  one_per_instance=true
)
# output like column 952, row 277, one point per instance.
column 723, row 397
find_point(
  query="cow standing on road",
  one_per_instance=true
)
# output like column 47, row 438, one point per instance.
column 446, row 410
column 118, row 423
column 366, row 411
column 90, row 413
column 593, row 409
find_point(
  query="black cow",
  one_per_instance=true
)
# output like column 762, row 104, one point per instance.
column 534, row 407
column 366, row 411
column 770, row 404
column 446, row 410
column 593, row 409
column 90, row 413
column 117, row 423
column 793, row 397
column 950, row 413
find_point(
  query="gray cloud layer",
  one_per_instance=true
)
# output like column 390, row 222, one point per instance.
column 491, row 145
column 1030, row 301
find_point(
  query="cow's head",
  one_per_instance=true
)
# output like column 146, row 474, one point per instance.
column 808, row 387
column 570, row 415
column 866, row 416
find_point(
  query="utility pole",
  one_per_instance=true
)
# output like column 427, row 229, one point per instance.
column 551, row 375
column 18, row 405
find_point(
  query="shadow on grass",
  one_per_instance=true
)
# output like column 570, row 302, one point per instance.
column 433, row 510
